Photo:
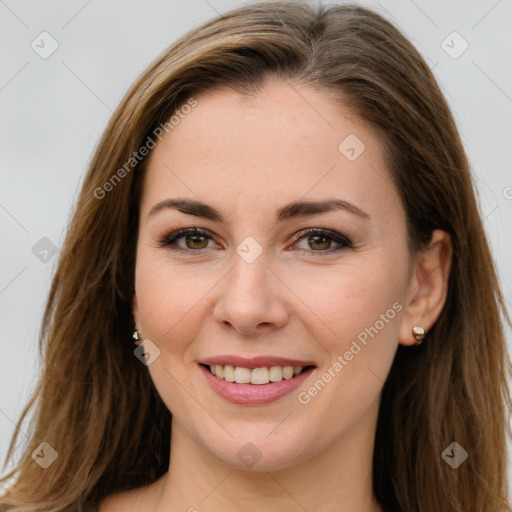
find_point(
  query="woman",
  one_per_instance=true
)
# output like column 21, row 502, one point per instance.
column 281, row 214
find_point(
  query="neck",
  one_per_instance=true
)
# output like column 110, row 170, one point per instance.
column 336, row 480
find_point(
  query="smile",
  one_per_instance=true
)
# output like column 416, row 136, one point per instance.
column 258, row 376
column 257, row 381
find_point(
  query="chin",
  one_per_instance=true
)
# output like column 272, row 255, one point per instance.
column 260, row 451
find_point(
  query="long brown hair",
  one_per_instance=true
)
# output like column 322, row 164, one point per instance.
column 96, row 405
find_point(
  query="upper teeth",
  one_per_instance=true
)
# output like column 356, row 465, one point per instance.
column 263, row 375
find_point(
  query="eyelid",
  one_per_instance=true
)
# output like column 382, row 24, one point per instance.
column 342, row 241
column 179, row 233
column 328, row 233
column 170, row 239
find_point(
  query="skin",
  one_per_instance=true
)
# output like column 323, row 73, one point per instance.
column 248, row 156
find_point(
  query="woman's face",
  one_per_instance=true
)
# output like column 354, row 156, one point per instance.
column 245, row 287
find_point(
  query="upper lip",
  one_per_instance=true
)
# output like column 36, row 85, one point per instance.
column 255, row 362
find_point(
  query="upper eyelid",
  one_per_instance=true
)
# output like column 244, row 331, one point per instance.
column 182, row 232
column 338, row 238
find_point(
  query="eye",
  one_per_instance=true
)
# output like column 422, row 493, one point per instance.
column 320, row 240
column 195, row 240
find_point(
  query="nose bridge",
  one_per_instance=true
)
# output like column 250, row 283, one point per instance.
column 249, row 282
column 249, row 296
column 249, row 266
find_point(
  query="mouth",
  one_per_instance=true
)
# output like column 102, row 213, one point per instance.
column 258, row 376
column 258, row 381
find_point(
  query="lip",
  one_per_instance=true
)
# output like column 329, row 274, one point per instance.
column 255, row 362
column 254, row 394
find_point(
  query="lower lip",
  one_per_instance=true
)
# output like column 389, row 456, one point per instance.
column 254, row 394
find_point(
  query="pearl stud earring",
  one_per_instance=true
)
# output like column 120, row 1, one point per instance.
column 419, row 333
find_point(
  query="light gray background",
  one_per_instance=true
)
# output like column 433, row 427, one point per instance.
column 54, row 110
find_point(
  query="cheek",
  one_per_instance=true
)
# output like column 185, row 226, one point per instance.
column 343, row 300
column 170, row 302
column 362, row 311
column 359, row 307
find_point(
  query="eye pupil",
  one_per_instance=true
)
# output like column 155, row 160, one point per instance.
column 195, row 238
column 320, row 237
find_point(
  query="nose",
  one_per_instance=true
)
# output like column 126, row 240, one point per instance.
column 252, row 298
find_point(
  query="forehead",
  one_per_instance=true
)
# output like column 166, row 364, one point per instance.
column 281, row 143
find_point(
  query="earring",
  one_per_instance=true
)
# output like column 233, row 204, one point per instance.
column 137, row 335
column 419, row 333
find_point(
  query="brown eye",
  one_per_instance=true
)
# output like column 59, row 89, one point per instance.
column 195, row 240
column 319, row 241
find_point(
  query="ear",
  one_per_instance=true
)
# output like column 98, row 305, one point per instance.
column 428, row 286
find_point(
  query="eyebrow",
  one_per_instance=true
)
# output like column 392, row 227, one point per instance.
column 291, row 210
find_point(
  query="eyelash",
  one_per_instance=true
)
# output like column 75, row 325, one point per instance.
column 169, row 241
